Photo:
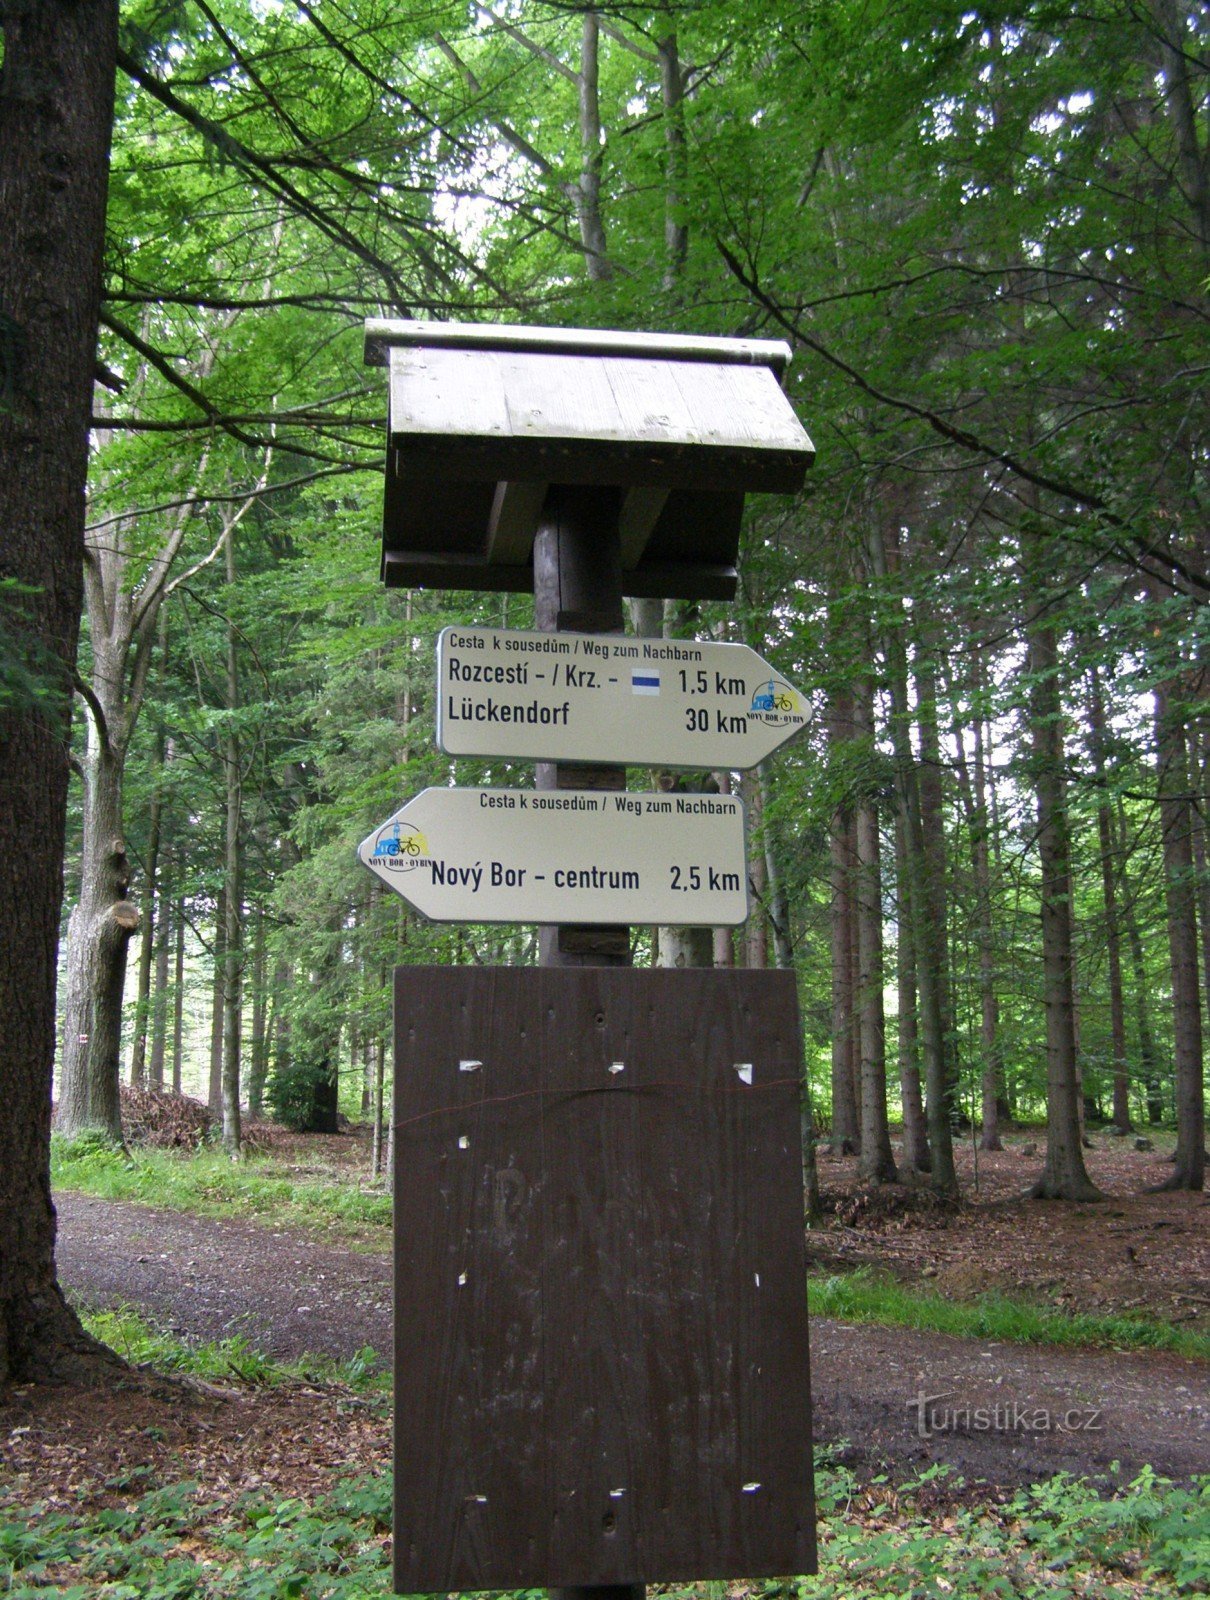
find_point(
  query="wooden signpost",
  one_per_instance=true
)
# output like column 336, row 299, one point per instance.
column 601, row 1337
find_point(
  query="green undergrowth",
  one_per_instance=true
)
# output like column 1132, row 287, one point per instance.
column 865, row 1295
column 138, row 1341
column 208, row 1183
column 924, row 1540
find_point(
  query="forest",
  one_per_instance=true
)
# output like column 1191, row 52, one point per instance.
column 983, row 230
column 984, row 238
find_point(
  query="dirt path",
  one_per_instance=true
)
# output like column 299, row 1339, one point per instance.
column 1005, row 1413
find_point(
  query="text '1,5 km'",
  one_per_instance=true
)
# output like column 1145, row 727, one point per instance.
column 608, row 697
column 565, row 855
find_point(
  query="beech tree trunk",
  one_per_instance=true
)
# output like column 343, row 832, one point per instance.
column 142, row 1016
column 56, row 106
column 99, row 931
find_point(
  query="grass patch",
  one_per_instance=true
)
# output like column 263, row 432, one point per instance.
column 868, row 1296
column 136, row 1340
column 1057, row 1538
column 209, row 1183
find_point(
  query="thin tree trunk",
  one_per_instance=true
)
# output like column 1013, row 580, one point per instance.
column 1149, row 1068
column 844, row 1101
column 974, row 800
column 258, row 1062
column 233, row 954
column 928, row 941
column 932, row 817
column 756, row 932
column 592, row 228
column 1180, row 898
column 877, row 1164
column 159, row 1005
column 915, row 1136
column 380, row 1056
column 142, row 1015
column 1064, row 1176
column 1113, row 938
column 676, row 230
column 178, row 998
column 215, row 1094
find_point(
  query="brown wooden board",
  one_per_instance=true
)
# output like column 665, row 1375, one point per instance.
column 601, row 1329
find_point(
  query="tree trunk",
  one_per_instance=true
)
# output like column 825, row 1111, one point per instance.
column 159, row 1004
column 676, row 230
column 214, row 1096
column 142, row 1015
column 877, row 1164
column 844, row 1100
column 178, row 997
column 258, row 1052
column 928, row 941
column 56, row 104
column 1113, row 939
column 915, row 1136
column 592, row 227
column 98, row 936
column 1149, row 1068
column 756, row 932
column 1180, row 898
column 233, row 954
column 779, row 901
column 1064, row 1176
column 936, row 876
column 974, row 797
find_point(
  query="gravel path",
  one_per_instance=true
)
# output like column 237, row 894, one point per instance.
column 1007, row 1413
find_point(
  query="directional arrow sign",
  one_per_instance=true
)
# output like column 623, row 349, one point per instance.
column 565, row 855
column 607, row 697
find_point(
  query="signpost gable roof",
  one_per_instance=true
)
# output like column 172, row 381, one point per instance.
column 485, row 418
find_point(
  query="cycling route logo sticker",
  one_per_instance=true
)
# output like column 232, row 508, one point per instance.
column 400, row 846
column 777, row 704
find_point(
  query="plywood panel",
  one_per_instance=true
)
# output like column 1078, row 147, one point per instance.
column 618, row 1392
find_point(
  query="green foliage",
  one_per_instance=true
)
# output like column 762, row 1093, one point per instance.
column 867, row 1296
column 1058, row 1537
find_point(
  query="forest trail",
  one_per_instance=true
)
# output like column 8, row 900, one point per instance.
column 209, row 1278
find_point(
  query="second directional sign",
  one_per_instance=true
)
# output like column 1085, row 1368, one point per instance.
column 565, row 855
column 608, row 697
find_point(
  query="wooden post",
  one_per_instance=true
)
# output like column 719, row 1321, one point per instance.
column 578, row 588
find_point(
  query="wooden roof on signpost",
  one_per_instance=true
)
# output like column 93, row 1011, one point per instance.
column 485, row 418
